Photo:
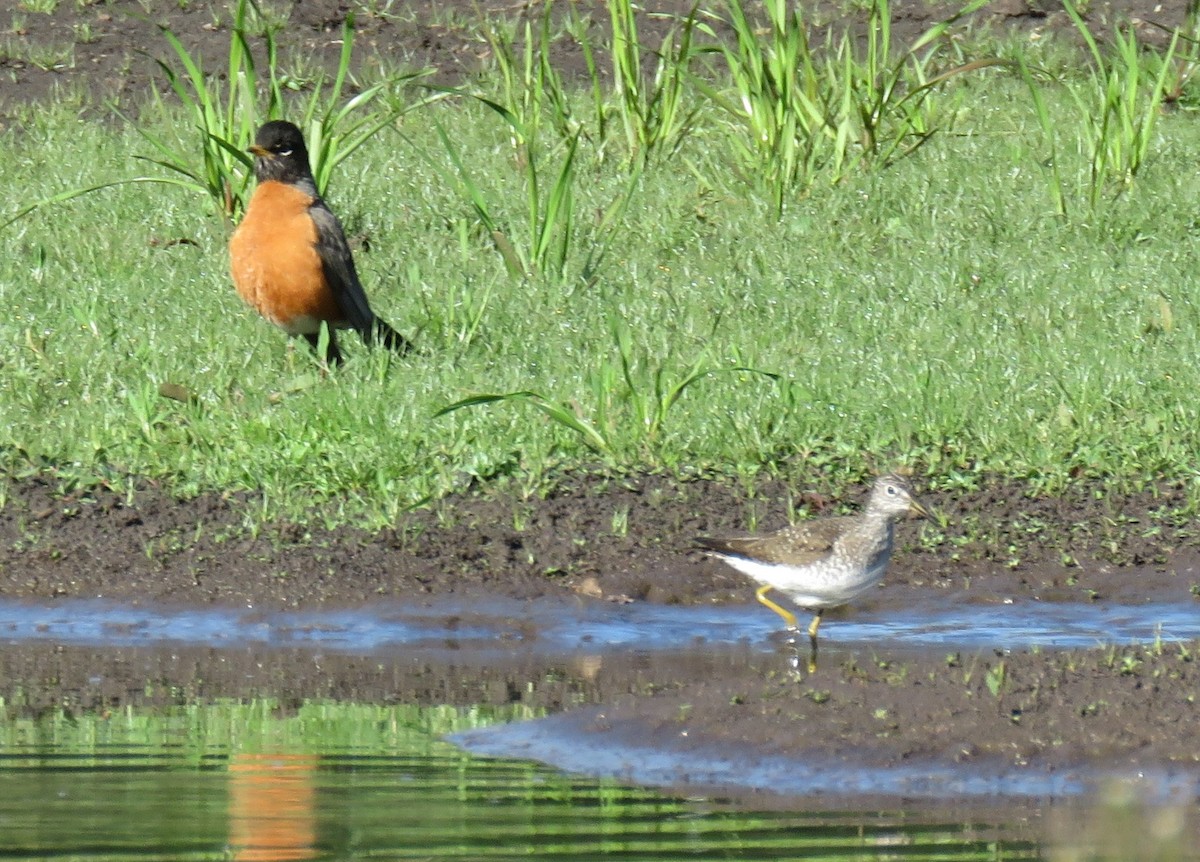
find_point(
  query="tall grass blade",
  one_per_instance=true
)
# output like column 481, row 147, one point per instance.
column 564, row 416
column 1042, row 113
column 71, row 194
column 512, row 260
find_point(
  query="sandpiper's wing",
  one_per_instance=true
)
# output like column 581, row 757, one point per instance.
column 798, row 545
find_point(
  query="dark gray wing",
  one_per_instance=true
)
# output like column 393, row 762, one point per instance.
column 338, row 263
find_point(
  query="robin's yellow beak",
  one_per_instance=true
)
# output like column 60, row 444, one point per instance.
column 261, row 152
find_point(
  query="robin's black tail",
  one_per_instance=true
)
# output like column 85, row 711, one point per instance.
column 333, row 356
column 382, row 333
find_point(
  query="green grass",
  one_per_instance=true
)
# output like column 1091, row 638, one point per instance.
column 943, row 312
column 46, row 56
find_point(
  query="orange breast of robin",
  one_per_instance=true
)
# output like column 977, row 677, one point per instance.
column 274, row 262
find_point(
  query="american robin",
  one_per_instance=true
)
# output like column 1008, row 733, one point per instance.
column 289, row 257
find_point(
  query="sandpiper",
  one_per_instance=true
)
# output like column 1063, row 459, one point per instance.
column 822, row 563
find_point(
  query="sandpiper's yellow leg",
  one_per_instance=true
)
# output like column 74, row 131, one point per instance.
column 812, row 639
column 813, row 626
column 788, row 616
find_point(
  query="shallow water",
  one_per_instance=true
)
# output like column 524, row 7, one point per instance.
column 335, row 781
column 563, row 741
column 114, row 785
column 548, row 628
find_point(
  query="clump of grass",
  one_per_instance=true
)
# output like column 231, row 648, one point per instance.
column 545, row 135
column 1119, row 120
column 532, row 100
column 531, row 89
column 1116, row 112
column 806, row 113
column 216, row 164
column 49, row 55
column 226, row 120
column 531, row 96
column 544, row 242
column 41, row 7
column 82, row 31
column 653, row 105
column 632, row 399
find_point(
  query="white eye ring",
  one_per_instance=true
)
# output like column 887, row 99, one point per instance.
column 285, row 153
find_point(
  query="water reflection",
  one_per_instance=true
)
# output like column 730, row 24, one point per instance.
column 345, row 781
column 272, row 815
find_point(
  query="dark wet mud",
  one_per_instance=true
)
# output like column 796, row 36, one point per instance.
column 965, row 728
column 994, row 545
column 108, row 51
column 562, row 614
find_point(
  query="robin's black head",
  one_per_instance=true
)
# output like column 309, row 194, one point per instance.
column 280, row 153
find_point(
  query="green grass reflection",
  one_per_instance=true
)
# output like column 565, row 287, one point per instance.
column 323, row 780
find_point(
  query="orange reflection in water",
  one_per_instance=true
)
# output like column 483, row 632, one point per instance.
column 272, row 807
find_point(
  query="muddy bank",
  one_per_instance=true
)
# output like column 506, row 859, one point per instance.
column 1126, row 707
column 871, row 723
column 627, row 539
